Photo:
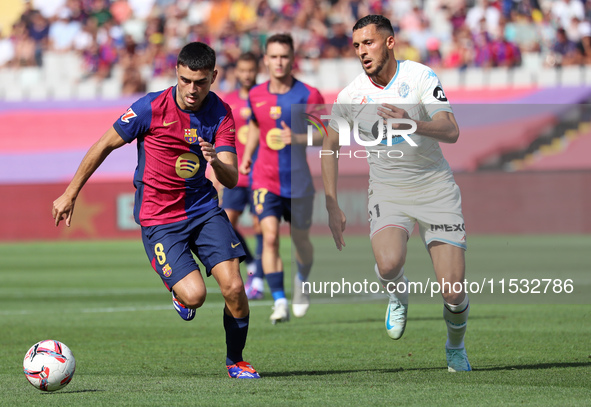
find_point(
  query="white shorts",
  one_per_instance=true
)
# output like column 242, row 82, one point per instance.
column 437, row 209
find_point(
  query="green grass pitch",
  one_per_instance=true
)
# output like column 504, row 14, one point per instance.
column 103, row 300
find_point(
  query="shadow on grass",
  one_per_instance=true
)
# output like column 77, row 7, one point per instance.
column 411, row 319
column 536, row 366
column 423, row 369
column 73, row 391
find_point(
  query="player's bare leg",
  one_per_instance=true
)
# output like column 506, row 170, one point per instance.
column 234, row 216
column 389, row 249
column 255, row 285
column 189, row 294
column 449, row 264
column 236, row 317
column 273, row 268
column 304, row 258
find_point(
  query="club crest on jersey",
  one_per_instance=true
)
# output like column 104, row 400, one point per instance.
column 130, row 114
column 403, row 89
column 275, row 112
column 167, row 270
column 245, row 113
column 191, row 136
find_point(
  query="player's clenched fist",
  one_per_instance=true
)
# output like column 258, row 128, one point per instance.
column 207, row 149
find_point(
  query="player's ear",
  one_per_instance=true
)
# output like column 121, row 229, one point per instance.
column 390, row 42
column 215, row 75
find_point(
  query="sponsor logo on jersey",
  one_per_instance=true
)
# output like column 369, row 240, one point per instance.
column 243, row 134
column 168, row 124
column 234, row 245
column 245, row 112
column 459, row 227
column 259, row 104
column 274, row 140
column 167, row 270
column 187, row 165
column 130, row 114
column 191, row 136
column 438, row 94
column 404, row 89
column 275, row 112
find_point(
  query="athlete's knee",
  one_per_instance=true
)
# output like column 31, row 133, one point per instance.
column 233, row 291
column 389, row 265
column 271, row 240
column 192, row 299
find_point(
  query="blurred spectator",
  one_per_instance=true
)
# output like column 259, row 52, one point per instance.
column 564, row 51
column 142, row 37
column 63, row 32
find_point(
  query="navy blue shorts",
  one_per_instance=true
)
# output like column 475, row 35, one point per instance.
column 237, row 198
column 297, row 211
column 170, row 247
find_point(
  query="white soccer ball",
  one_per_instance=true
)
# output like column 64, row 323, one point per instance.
column 49, row 365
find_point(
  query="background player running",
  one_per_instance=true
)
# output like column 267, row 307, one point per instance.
column 179, row 131
column 282, row 184
column 418, row 187
column 235, row 200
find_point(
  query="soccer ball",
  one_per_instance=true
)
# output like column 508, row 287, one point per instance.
column 49, row 365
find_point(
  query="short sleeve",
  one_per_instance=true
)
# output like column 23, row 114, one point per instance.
column 432, row 94
column 341, row 108
column 136, row 120
column 225, row 137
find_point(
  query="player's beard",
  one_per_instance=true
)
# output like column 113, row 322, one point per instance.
column 379, row 66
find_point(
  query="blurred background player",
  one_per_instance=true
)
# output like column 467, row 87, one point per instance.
column 417, row 187
column 235, row 200
column 175, row 204
column 282, row 184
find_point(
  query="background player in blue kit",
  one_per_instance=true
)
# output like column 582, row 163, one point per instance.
column 179, row 131
column 235, row 200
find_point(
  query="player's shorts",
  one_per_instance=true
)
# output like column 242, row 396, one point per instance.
column 297, row 211
column 170, row 247
column 437, row 209
column 236, row 198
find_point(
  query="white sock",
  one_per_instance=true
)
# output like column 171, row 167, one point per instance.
column 281, row 301
column 456, row 319
column 394, row 284
column 258, row 284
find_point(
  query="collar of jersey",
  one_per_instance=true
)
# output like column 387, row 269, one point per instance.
column 391, row 80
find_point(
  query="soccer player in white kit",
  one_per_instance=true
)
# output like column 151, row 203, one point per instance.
column 415, row 184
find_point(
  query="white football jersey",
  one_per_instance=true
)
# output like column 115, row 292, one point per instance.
column 416, row 89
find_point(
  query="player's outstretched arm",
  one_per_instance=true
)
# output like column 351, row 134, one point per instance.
column 337, row 220
column 443, row 126
column 224, row 164
column 252, row 142
column 63, row 207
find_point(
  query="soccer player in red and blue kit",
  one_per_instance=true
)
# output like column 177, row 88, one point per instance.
column 282, row 184
column 235, row 200
column 179, row 131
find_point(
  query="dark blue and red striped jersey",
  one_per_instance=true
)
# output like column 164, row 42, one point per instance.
column 170, row 176
column 281, row 169
column 242, row 113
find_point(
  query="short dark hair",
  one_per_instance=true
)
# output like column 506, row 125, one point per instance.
column 381, row 23
column 248, row 56
column 283, row 38
column 197, row 56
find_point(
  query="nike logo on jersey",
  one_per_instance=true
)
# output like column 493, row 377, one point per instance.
column 168, row 124
column 234, row 245
column 260, row 104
